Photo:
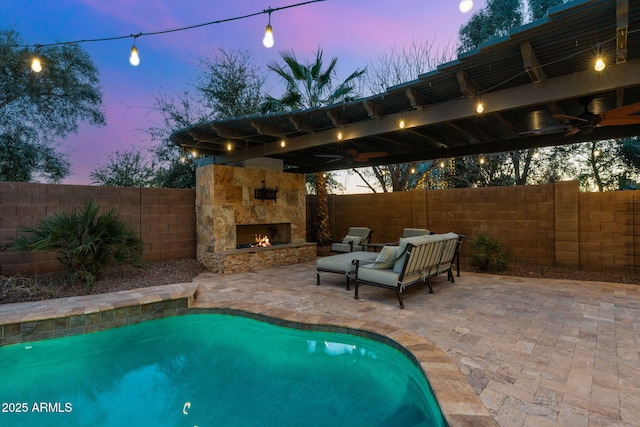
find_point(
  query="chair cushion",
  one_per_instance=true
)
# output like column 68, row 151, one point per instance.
column 384, row 277
column 355, row 239
column 387, row 257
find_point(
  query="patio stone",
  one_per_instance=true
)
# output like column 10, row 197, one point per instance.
column 537, row 352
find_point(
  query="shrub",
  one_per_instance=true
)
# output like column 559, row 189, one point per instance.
column 85, row 240
column 488, row 254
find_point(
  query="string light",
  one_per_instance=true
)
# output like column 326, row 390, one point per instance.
column 599, row 65
column 229, row 147
column 36, row 66
column 173, row 30
column 401, row 124
column 283, row 143
column 267, row 41
column 479, row 107
column 482, row 160
column 339, row 136
column 134, row 59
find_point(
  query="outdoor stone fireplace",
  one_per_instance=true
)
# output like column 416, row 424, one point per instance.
column 232, row 210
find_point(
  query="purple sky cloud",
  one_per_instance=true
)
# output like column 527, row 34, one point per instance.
column 355, row 31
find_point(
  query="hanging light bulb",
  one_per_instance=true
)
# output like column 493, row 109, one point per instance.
column 134, row 59
column 401, row 124
column 413, row 170
column 479, row 107
column 339, row 136
column 267, row 41
column 442, row 164
column 599, row 65
column 229, row 147
column 283, row 143
column 482, row 160
column 36, row 66
column 466, row 6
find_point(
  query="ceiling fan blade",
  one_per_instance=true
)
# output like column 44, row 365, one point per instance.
column 547, row 130
column 566, row 117
column 620, row 121
column 333, row 157
column 626, row 111
column 572, row 131
column 364, row 157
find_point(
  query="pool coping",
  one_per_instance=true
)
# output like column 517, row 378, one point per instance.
column 29, row 321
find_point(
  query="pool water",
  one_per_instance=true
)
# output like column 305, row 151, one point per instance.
column 212, row 370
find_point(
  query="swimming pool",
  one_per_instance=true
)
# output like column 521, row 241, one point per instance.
column 212, row 370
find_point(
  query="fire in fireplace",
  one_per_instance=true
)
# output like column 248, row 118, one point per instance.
column 262, row 235
column 261, row 241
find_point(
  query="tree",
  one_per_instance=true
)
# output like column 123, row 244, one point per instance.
column 538, row 8
column 126, row 169
column 393, row 67
column 229, row 85
column 494, row 20
column 308, row 86
column 36, row 109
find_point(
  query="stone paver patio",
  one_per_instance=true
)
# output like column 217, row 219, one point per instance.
column 537, row 352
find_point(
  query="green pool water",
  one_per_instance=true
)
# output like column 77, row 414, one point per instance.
column 212, row 370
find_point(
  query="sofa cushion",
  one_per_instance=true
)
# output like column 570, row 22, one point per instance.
column 384, row 277
column 355, row 239
column 386, row 258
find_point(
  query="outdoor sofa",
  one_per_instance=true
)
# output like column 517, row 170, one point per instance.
column 415, row 260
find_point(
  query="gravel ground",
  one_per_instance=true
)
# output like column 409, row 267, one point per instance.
column 120, row 278
column 54, row 285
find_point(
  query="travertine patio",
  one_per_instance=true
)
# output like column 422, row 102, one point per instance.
column 537, row 352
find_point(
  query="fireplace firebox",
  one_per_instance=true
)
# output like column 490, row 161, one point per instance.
column 255, row 235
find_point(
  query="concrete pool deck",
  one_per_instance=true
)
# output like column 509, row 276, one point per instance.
column 537, row 352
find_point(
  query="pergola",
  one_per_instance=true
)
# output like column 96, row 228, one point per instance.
column 537, row 84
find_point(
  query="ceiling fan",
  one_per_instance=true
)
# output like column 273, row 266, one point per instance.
column 353, row 155
column 588, row 121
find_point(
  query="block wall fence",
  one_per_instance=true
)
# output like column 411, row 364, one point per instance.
column 165, row 218
column 551, row 224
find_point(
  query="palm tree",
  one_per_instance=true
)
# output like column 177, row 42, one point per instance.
column 308, row 86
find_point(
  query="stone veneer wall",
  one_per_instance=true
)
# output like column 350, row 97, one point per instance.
column 225, row 198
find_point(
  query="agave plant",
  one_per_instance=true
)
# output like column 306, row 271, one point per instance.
column 85, row 240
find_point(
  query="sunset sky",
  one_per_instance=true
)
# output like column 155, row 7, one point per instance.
column 355, row 31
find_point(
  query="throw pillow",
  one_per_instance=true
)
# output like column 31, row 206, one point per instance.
column 386, row 258
column 355, row 239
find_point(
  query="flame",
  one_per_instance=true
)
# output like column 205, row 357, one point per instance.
column 261, row 241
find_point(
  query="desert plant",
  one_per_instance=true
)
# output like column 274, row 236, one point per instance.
column 86, row 241
column 488, row 254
